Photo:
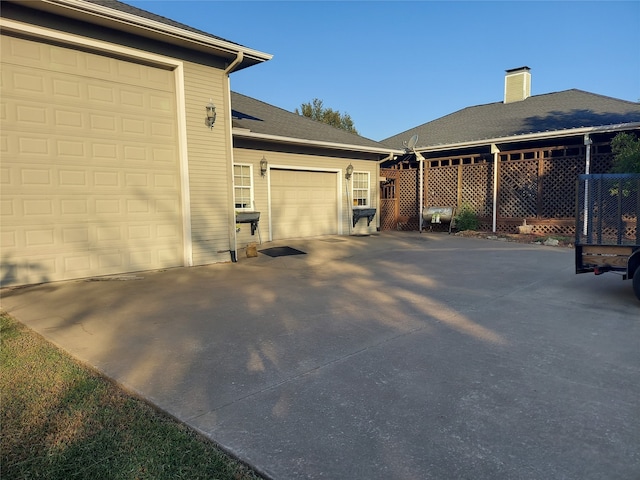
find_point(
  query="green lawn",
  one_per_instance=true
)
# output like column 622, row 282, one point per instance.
column 61, row 420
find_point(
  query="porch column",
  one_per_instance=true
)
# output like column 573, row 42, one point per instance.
column 587, row 170
column 496, row 158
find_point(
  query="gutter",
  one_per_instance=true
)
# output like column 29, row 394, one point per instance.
column 534, row 136
column 232, row 66
column 243, row 133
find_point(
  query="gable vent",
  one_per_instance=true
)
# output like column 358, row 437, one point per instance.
column 517, row 84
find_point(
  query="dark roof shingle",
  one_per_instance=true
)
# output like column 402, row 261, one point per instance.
column 260, row 117
column 540, row 113
column 125, row 8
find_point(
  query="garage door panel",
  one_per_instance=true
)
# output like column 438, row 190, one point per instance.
column 40, row 146
column 59, row 59
column 303, row 203
column 90, row 167
column 45, row 88
column 57, row 105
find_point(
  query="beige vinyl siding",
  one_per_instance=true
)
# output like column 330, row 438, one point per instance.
column 517, row 86
column 209, row 166
column 325, row 163
column 90, row 164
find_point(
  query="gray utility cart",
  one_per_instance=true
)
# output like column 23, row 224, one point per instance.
column 607, row 228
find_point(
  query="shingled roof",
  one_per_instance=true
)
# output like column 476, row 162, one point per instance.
column 257, row 117
column 550, row 112
column 125, row 18
column 125, row 8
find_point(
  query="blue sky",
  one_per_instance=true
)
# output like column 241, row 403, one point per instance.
column 395, row 65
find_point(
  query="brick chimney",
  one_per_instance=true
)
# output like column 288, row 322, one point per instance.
column 517, row 84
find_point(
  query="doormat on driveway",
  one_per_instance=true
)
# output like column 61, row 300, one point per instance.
column 281, row 251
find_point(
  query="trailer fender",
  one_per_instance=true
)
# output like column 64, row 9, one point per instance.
column 633, row 264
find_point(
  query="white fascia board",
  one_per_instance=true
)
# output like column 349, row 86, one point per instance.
column 533, row 136
column 158, row 28
column 243, row 133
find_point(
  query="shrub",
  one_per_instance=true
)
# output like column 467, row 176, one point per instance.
column 466, row 219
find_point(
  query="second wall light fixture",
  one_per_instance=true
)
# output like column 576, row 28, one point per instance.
column 349, row 172
column 263, row 166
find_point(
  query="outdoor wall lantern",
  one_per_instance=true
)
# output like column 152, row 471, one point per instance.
column 349, row 172
column 211, row 114
column 263, row 166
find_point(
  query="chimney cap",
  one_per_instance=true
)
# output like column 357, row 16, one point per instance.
column 517, row 69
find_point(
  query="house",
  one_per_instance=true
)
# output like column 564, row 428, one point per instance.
column 124, row 149
column 509, row 161
column 302, row 190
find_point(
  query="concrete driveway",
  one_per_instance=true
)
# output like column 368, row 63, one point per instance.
column 392, row 356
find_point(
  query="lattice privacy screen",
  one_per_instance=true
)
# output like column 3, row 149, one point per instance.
column 408, row 193
column 477, row 188
column 541, row 188
column 388, row 219
column 518, row 194
column 558, row 187
column 442, row 187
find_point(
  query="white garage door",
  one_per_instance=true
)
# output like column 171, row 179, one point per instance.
column 90, row 172
column 303, row 203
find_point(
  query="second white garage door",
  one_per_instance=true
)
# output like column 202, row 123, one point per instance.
column 303, row 203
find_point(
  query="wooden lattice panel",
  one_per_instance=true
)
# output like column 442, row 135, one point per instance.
column 389, row 173
column 565, row 230
column 442, row 186
column 410, row 225
column 518, row 196
column 564, row 227
column 477, row 188
column 537, row 184
column 555, row 229
column 407, row 193
column 388, row 214
column 505, row 228
column 485, row 226
column 601, row 163
column 558, row 186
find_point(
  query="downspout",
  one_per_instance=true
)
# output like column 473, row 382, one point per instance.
column 391, row 156
column 495, row 151
column 233, row 240
column 587, row 170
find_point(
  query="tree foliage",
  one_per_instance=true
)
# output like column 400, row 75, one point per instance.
column 626, row 150
column 317, row 111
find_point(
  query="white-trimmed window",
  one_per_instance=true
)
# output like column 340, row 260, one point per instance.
column 360, row 189
column 243, row 186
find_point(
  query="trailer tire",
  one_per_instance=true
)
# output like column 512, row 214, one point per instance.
column 636, row 282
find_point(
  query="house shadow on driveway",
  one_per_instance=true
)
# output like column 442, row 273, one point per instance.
column 397, row 355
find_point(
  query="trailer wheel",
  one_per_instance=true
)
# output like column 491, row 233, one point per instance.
column 636, row 282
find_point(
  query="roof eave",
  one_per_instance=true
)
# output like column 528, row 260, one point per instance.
column 531, row 136
column 244, row 133
column 149, row 28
